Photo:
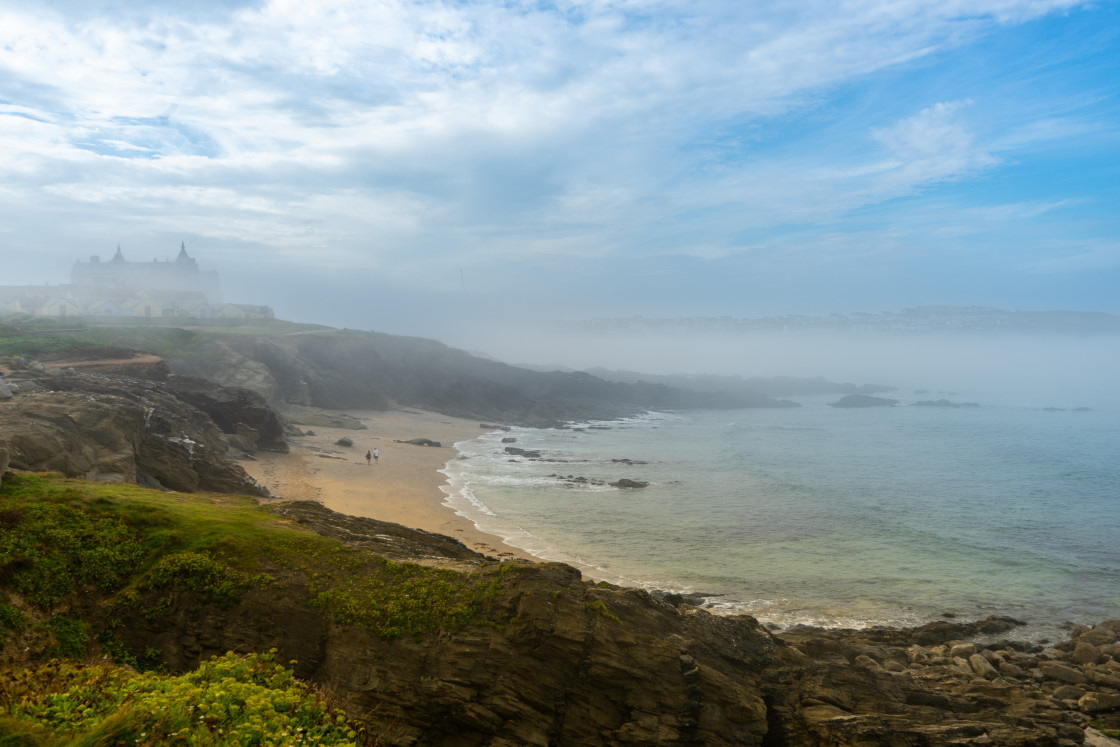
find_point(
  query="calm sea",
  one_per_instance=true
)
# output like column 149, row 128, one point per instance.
column 822, row 515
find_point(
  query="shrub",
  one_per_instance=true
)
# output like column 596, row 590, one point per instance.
column 229, row 700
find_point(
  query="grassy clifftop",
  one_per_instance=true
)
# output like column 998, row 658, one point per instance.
column 87, row 568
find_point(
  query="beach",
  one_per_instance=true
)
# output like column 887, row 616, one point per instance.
column 402, row 486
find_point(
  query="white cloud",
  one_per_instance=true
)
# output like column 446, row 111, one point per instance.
column 484, row 129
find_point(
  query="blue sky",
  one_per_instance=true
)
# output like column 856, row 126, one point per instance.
column 409, row 166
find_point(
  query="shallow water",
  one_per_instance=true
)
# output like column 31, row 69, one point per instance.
column 823, row 515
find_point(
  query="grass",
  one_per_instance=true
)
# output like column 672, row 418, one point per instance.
column 229, row 700
column 64, row 541
column 77, row 558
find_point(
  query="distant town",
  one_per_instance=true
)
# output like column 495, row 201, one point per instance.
column 917, row 320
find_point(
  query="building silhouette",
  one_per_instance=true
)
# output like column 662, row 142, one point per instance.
column 170, row 289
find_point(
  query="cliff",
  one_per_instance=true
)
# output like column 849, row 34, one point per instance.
column 165, row 431
column 428, row 643
column 300, row 365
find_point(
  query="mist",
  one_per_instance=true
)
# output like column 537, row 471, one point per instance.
column 1015, row 370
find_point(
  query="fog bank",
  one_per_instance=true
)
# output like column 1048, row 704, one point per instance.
column 1015, row 370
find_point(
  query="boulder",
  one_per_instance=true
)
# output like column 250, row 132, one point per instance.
column 1098, row 636
column 1054, row 671
column 344, row 441
column 628, row 483
column 982, row 667
column 1085, row 653
column 421, row 442
column 1098, row 702
column 5, row 390
column 527, row 453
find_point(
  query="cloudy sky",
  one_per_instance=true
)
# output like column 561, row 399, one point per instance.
column 406, row 165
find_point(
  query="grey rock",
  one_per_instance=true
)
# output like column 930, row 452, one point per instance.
column 1055, row 671
column 344, row 441
column 98, row 428
column 5, row 390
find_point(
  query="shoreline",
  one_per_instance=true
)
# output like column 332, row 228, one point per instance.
column 402, row 486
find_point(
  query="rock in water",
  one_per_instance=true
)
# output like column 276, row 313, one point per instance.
column 863, row 400
column 628, row 483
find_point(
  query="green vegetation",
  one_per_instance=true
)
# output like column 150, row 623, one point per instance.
column 140, row 551
column 85, row 567
column 71, row 637
column 11, row 620
column 599, row 607
column 33, row 337
column 231, row 700
column 393, row 600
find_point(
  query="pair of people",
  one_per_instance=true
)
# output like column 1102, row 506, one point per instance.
column 371, row 455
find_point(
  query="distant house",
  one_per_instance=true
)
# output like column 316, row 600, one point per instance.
column 196, row 309
column 107, row 308
column 60, row 306
column 243, row 311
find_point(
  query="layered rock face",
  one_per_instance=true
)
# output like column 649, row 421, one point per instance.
column 153, row 433
column 572, row 663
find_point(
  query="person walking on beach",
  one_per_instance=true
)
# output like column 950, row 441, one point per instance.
column 375, row 455
column 367, row 458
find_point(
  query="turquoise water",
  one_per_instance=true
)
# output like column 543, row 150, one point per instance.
column 823, row 515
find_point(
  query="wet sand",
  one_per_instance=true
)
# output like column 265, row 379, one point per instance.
column 402, row 486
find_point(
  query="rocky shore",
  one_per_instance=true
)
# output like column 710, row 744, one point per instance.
column 577, row 663
column 561, row 661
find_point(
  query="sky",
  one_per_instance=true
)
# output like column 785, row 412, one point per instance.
column 430, row 167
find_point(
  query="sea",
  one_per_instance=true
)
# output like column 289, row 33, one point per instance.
column 827, row 516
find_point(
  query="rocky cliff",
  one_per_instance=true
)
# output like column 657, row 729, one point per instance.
column 550, row 659
column 301, row 365
column 164, row 431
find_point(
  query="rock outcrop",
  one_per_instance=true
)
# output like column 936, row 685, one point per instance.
column 863, row 400
column 572, row 662
column 131, row 430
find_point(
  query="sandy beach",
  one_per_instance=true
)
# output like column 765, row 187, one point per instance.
column 402, row 486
